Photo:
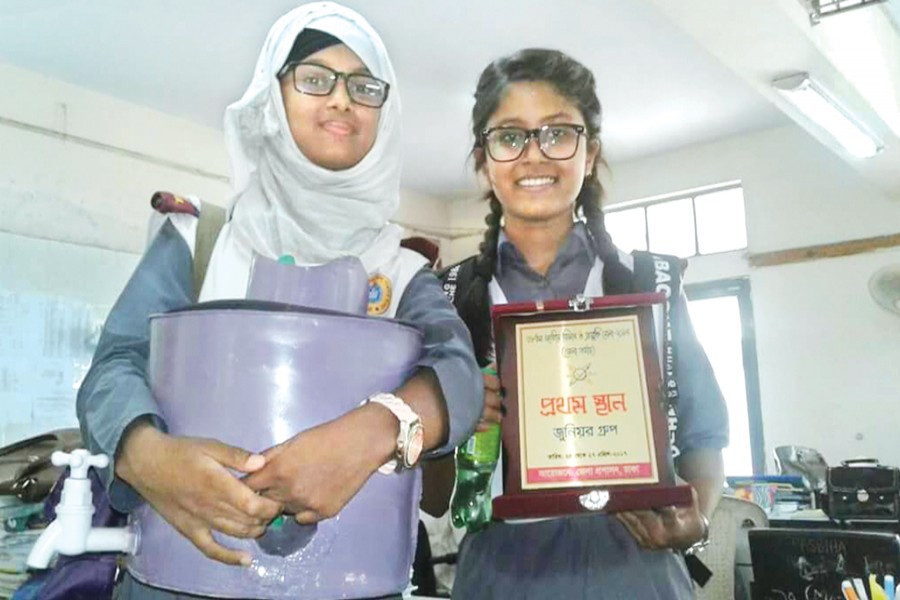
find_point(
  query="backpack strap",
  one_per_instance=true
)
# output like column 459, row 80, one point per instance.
column 475, row 312
column 209, row 224
column 457, row 278
column 662, row 273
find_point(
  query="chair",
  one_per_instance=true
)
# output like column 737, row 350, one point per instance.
column 806, row 462
column 728, row 553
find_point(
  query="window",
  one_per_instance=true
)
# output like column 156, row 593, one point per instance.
column 628, row 228
column 704, row 221
column 723, row 319
column 670, row 227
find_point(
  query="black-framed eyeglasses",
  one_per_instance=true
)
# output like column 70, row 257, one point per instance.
column 319, row 80
column 557, row 141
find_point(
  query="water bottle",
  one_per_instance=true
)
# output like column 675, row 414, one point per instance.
column 475, row 464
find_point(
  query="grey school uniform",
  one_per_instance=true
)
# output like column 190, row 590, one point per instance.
column 115, row 391
column 590, row 557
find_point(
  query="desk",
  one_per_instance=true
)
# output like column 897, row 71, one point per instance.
column 816, row 519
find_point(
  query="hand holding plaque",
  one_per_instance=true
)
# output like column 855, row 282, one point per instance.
column 586, row 429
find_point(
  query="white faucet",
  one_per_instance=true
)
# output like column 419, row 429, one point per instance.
column 71, row 532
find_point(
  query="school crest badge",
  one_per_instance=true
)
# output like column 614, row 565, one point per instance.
column 379, row 294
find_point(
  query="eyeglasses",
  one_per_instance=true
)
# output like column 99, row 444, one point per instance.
column 556, row 141
column 318, row 80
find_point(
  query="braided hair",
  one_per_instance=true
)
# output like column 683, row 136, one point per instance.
column 575, row 82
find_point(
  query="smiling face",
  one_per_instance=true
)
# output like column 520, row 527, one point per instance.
column 331, row 131
column 534, row 189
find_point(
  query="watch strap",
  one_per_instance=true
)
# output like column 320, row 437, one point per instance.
column 703, row 542
column 407, row 418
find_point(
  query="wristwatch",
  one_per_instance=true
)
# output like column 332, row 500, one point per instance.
column 411, row 438
column 703, row 542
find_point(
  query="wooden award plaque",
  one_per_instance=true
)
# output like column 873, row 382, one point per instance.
column 585, row 427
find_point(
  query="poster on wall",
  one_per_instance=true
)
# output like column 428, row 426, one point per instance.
column 46, row 346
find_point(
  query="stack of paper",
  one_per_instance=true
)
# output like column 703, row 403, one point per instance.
column 14, row 550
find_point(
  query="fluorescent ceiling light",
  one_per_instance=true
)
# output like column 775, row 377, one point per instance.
column 818, row 106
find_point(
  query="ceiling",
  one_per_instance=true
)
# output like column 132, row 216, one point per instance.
column 664, row 81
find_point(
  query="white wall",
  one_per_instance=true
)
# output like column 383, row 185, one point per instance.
column 79, row 166
column 77, row 170
column 798, row 193
column 829, row 358
column 94, row 187
column 425, row 216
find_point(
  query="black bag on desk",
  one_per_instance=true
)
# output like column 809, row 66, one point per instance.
column 862, row 489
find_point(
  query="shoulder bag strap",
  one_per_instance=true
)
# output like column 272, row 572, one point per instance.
column 210, row 222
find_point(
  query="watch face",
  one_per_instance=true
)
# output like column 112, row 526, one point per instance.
column 416, row 440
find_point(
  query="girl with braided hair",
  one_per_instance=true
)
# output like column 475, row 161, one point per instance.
column 536, row 123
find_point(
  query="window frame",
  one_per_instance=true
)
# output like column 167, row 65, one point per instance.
column 740, row 288
column 692, row 194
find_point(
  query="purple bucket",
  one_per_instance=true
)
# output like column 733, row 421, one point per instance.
column 341, row 284
column 206, row 364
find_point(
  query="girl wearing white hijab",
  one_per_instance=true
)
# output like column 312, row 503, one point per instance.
column 315, row 156
column 285, row 202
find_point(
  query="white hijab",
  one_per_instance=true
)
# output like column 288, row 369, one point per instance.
column 286, row 204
